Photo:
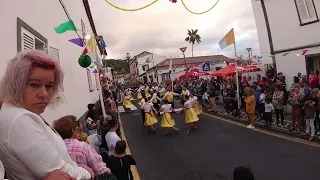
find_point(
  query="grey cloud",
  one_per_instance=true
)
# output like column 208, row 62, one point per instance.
column 162, row 27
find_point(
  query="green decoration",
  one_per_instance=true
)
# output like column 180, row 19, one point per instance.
column 272, row 55
column 67, row 26
column 84, row 61
column 92, row 66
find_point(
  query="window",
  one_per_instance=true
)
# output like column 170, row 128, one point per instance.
column 54, row 53
column 145, row 67
column 306, row 11
column 28, row 38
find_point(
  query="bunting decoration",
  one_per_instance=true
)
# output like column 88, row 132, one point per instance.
column 92, row 66
column 304, row 52
column 67, row 26
column 285, row 54
column 95, row 71
column 173, row 1
column 272, row 55
column 85, row 51
column 77, row 41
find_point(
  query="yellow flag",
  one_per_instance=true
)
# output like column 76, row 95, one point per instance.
column 227, row 40
column 91, row 45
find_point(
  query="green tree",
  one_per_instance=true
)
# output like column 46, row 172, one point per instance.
column 119, row 65
column 193, row 37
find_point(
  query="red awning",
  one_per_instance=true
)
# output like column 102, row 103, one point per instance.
column 230, row 70
column 193, row 73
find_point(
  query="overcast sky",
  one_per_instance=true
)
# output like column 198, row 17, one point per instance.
column 162, row 28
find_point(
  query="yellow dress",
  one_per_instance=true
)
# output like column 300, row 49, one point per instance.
column 150, row 119
column 139, row 96
column 167, row 120
column 189, row 116
column 170, row 97
column 197, row 109
column 147, row 94
column 127, row 103
column 162, row 94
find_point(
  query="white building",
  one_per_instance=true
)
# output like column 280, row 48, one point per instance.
column 178, row 66
column 145, row 61
column 294, row 27
column 30, row 25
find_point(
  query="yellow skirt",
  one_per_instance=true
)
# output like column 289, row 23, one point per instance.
column 190, row 116
column 167, row 121
column 147, row 94
column 150, row 119
column 197, row 109
column 121, row 99
column 162, row 94
column 127, row 105
column 139, row 96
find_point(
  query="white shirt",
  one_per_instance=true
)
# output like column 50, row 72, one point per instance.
column 268, row 107
column 194, row 100
column 30, row 149
column 188, row 104
column 147, row 107
column 95, row 141
column 262, row 98
column 166, row 108
column 112, row 138
column 2, row 171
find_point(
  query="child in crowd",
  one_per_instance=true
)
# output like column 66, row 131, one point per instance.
column 268, row 110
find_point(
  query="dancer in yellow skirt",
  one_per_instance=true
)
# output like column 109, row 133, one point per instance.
column 195, row 105
column 146, row 91
column 167, row 121
column 189, row 115
column 150, row 118
column 185, row 94
column 141, row 89
column 169, row 96
column 162, row 91
column 127, row 105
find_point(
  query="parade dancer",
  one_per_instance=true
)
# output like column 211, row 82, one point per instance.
column 162, row 91
column 169, row 97
column 146, row 91
column 185, row 93
column 155, row 100
column 190, row 115
column 150, row 118
column 195, row 105
column 140, row 89
column 127, row 105
column 141, row 103
column 167, row 121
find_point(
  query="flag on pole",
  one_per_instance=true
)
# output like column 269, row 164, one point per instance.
column 91, row 45
column 227, row 40
column 67, row 26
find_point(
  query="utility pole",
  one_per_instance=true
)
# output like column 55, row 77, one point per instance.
column 183, row 49
column 269, row 36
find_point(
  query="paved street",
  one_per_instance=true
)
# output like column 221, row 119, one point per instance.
column 214, row 150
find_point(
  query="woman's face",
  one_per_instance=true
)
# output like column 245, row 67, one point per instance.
column 296, row 90
column 39, row 89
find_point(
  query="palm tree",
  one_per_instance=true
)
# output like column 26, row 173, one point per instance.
column 193, row 37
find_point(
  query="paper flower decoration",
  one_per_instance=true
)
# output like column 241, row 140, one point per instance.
column 84, row 61
column 173, row 1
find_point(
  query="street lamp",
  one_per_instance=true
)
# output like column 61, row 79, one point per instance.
column 249, row 52
column 183, row 49
column 128, row 57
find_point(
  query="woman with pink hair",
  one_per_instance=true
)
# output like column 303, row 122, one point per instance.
column 29, row 147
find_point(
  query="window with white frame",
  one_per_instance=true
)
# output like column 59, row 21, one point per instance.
column 54, row 53
column 306, row 11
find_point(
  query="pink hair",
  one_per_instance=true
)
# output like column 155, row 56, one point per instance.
column 17, row 73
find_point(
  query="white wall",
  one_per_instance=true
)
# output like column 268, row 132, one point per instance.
column 286, row 33
column 43, row 16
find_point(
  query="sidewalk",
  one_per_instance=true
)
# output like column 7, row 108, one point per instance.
column 260, row 123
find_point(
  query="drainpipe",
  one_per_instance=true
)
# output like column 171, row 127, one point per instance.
column 269, row 36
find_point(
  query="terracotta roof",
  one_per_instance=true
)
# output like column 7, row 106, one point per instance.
column 191, row 60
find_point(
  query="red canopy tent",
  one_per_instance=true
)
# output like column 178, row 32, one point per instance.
column 230, row 70
column 192, row 73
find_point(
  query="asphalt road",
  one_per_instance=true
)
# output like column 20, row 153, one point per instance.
column 214, row 150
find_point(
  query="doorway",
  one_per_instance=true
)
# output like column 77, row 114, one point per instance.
column 312, row 63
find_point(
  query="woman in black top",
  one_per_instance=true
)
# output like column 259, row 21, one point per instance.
column 120, row 162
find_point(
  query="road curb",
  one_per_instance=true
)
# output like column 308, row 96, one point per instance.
column 261, row 125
